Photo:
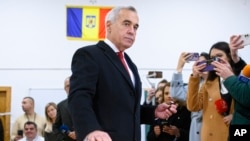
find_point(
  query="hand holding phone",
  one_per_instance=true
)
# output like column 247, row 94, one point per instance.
column 245, row 38
column 209, row 66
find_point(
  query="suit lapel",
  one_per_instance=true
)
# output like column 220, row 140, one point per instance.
column 112, row 56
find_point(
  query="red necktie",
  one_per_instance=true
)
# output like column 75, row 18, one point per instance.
column 120, row 55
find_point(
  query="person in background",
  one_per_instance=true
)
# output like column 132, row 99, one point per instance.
column 174, row 128
column 239, row 90
column 31, row 132
column 162, row 83
column 154, row 94
column 1, row 130
column 63, row 126
column 155, row 128
column 178, row 90
column 50, row 114
column 28, row 106
column 105, row 86
column 212, row 90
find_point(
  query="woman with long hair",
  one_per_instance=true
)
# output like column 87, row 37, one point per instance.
column 213, row 92
column 50, row 113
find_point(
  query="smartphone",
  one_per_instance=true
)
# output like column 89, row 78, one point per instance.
column 154, row 74
column 208, row 67
column 245, row 38
column 194, row 56
column 20, row 132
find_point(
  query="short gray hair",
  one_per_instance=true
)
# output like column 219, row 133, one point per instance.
column 113, row 13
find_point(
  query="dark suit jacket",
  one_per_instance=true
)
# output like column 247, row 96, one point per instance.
column 63, row 118
column 103, row 97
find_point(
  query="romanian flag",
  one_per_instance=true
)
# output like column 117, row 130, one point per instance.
column 86, row 23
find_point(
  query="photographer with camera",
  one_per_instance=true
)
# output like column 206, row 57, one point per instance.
column 211, row 91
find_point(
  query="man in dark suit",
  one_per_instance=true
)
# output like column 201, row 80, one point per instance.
column 63, row 125
column 105, row 90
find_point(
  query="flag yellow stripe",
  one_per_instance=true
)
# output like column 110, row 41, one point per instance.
column 90, row 24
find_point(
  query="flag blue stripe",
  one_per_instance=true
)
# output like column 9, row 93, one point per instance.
column 74, row 22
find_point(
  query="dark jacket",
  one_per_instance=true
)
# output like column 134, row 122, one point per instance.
column 63, row 118
column 50, row 136
column 240, row 92
column 182, row 120
column 103, row 97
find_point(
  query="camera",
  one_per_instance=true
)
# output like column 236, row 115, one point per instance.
column 208, row 67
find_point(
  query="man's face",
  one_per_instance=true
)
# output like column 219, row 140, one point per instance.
column 26, row 104
column 122, row 32
column 67, row 85
column 30, row 131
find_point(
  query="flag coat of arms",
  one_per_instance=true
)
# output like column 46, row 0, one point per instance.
column 86, row 22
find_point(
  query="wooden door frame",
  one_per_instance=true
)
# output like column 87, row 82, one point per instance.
column 5, row 107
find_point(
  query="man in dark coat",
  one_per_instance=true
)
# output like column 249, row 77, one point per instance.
column 105, row 90
column 63, row 125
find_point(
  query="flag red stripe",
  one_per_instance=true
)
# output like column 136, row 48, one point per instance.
column 103, row 13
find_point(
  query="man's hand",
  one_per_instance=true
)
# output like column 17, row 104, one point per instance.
column 164, row 111
column 98, row 136
column 18, row 137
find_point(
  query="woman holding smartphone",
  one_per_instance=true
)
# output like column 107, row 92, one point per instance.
column 204, row 98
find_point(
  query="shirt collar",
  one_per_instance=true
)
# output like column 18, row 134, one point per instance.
column 107, row 41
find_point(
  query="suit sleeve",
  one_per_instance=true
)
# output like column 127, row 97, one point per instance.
column 147, row 114
column 83, row 81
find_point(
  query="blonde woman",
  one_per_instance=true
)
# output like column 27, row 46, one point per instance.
column 50, row 113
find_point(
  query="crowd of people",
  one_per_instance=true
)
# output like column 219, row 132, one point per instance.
column 56, row 125
column 104, row 94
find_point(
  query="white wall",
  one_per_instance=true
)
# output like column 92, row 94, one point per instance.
column 35, row 54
